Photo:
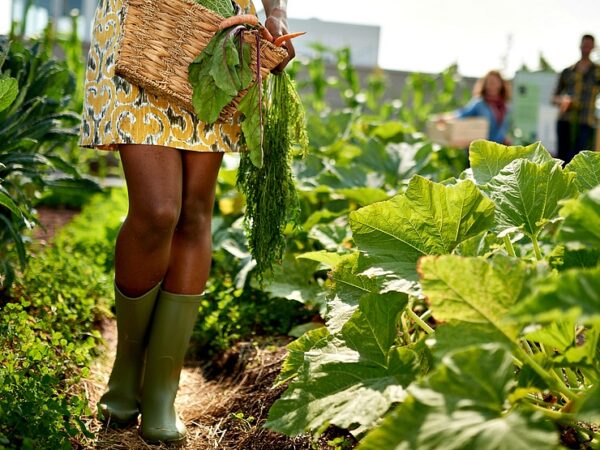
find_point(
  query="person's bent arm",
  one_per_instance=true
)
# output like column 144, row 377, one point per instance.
column 276, row 23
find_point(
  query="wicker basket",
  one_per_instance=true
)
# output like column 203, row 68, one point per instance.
column 161, row 38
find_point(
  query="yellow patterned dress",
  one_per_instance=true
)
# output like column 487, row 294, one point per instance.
column 118, row 112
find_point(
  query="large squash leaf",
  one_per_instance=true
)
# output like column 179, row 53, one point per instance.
column 429, row 219
column 586, row 165
column 474, row 290
column 581, row 227
column 359, row 366
column 527, row 194
column 489, row 158
column 463, row 406
column 9, row 88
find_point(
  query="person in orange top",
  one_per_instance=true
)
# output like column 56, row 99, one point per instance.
column 163, row 251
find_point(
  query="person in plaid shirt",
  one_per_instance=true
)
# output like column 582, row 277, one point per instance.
column 575, row 95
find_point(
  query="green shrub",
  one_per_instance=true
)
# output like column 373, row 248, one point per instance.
column 48, row 335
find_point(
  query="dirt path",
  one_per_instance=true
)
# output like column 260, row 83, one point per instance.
column 207, row 407
column 224, row 413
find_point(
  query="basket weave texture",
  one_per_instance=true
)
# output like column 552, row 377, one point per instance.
column 159, row 40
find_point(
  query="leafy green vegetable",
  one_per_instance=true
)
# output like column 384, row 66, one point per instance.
column 9, row 88
column 222, row 7
column 527, row 194
column 463, row 406
column 586, row 165
column 429, row 219
column 217, row 74
column 264, row 175
column 489, row 158
column 359, row 365
column 581, row 227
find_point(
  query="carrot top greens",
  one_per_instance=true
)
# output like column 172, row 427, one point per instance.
column 273, row 126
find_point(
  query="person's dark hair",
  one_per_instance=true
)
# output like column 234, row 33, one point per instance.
column 588, row 36
column 480, row 91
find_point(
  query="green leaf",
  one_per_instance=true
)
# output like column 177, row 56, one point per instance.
column 8, row 202
column 348, row 288
column 581, row 227
column 9, row 89
column 575, row 290
column 429, row 219
column 328, row 259
column 474, row 290
column 294, row 360
column 251, row 125
column 586, row 165
column 222, row 7
column 527, row 194
column 489, row 158
column 463, row 406
column 455, row 335
column 589, row 406
column 231, row 74
column 353, row 380
column 294, row 280
column 207, row 98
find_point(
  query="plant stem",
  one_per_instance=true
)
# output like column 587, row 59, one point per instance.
column 536, row 248
column 419, row 321
column 509, row 247
column 554, row 415
column 554, row 382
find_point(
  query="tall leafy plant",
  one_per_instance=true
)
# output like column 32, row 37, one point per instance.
column 35, row 122
column 467, row 317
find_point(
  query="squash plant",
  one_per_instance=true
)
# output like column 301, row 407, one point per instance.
column 467, row 316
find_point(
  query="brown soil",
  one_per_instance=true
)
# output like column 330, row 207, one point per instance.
column 226, row 413
column 51, row 220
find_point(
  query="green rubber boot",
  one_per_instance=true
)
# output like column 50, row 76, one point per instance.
column 171, row 329
column 119, row 406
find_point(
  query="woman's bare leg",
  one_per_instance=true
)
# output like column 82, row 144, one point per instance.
column 191, row 249
column 154, row 185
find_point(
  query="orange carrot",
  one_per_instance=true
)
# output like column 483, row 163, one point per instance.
column 266, row 34
column 242, row 19
column 286, row 37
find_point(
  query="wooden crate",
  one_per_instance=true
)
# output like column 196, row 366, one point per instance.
column 458, row 132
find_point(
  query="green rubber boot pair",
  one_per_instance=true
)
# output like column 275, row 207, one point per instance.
column 154, row 331
column 120, row 405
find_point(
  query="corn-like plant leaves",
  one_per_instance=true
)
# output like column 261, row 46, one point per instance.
column 581, row 227
column 527, row 194
column 463, row 406
column 586, row 165
column 473, row 290
column 429, row 219
column 359, row 366
column 9, row 89
column 489, row 158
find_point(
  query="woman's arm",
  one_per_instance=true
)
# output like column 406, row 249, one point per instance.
column 276, row 23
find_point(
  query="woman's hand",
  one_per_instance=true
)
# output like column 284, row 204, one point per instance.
column 276, row 23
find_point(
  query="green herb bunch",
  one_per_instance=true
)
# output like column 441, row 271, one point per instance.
column 273, row 125
column 271, row 197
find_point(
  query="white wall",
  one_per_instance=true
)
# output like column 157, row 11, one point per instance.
column 5, row 16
